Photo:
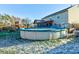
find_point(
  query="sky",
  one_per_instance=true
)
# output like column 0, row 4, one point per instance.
column 31, row 11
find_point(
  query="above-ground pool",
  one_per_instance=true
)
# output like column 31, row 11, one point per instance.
column 42, row 33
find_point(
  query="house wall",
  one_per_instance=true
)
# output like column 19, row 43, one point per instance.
column 73, row 14
column 59, row 18
column 70, row 15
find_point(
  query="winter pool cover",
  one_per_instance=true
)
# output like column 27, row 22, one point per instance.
column 41, row 29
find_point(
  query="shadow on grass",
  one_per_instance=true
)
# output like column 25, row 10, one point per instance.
column 71, row 47
column 11, row 39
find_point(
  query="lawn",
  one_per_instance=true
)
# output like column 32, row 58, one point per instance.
column 11, row 43
column 20, row 46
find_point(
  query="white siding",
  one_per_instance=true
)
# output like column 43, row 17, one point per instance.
column 71, row 16
column 60, row 18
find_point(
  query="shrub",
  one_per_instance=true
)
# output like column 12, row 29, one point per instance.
column 11, row 29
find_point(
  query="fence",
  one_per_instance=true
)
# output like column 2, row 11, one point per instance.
column 11, row 35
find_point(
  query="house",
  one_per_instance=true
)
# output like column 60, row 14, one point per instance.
column 17, row 22
column 20, row 23
column 69, row 15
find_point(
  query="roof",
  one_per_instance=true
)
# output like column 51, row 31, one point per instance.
column 61, row 11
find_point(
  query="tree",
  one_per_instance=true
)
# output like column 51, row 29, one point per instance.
column 26, row 22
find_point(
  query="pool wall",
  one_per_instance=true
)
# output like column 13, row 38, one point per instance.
column 35, row 35
column 41, row 34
